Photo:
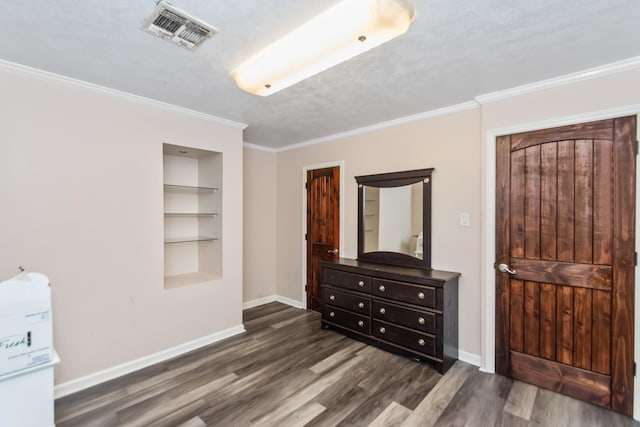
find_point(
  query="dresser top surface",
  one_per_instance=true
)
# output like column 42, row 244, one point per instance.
column 353, row 265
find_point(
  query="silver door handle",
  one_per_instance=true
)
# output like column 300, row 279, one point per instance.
column 332, row 251
column 504, row 268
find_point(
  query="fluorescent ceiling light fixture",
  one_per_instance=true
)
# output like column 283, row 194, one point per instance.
column 348, row 29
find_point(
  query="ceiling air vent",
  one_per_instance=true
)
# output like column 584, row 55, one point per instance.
column 176, row 26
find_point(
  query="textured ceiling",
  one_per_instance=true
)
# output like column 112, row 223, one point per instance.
column 455, row 50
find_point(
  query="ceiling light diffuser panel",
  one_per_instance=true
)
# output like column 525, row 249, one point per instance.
column 346, row 30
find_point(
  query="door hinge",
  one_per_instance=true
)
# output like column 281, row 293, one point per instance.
column 634, row 369
column 305, row 236
column 305, row 289
column 637, row 146
column 635, row 258
column 306, row 186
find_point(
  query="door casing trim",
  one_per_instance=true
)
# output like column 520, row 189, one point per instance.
column 488, row 285
column 305, row 169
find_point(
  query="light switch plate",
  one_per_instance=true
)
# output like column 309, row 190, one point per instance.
column 465, row 219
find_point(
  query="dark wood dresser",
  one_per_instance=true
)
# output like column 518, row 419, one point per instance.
column 412, row 311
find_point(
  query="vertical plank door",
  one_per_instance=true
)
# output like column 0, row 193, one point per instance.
column 565, row 226
column 323, row 227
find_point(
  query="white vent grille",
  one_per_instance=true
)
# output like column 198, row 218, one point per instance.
column 176, row 26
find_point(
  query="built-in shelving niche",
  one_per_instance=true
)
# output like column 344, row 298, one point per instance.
column 192, row 215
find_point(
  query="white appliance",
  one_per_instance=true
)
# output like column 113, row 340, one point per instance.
column 25, row 322
column 27, row 357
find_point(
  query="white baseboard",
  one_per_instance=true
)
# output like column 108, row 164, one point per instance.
column 289, row 301
column 269, row 299
column 258, row 302
column 473, row 359
column 99, row 377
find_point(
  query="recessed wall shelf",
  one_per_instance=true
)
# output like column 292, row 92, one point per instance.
column 190, row 189
column 192, row 215
column 188, row 239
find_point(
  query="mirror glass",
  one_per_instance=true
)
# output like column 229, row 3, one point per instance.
column 393, row 219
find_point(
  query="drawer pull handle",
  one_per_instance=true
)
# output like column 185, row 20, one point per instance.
column 420, row 295
column 361, row 304
column 382, row 310
column 421, row 342
column 382, row 288
column 332, row 314
column 361, row 283
column 360, row 323
column 382, row 330
column 332, row 297
column 421, row 320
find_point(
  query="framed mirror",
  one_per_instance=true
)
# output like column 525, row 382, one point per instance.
column 394, row 218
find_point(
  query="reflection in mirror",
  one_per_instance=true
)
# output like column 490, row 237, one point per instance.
column 393, row 219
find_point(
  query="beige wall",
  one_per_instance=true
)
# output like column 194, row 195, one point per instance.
column 82, row 202
column 596, row 98
column 586, row 97
column 456, row 146
column 259, row 224
column 80, row 185
column 450, row 144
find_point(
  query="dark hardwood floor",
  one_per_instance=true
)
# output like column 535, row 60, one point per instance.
column 286, row 371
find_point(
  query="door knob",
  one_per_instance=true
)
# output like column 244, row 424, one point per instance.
column 504, row 268
column 332, row 251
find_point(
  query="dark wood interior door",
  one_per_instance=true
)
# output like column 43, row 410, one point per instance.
column 323, row 227
column 565, row 226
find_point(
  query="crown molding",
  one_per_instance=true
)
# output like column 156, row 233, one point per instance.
column 567, row 79
column 591, row 73
column 600, row 71
column 259, row 147
column 470, row 105
column 15, row 68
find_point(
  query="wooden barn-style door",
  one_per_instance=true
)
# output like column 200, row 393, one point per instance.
column 565, row 259
column 323, row 227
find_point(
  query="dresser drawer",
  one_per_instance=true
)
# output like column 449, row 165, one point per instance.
column 356, row 303
column 422, row 321
column 405, row 292
column 342, row 279
column 416, row 341
column 347, row 319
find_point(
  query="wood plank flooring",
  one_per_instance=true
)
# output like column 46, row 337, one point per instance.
column 286, row 371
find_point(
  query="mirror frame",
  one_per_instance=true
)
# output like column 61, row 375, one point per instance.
column 397, row 179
